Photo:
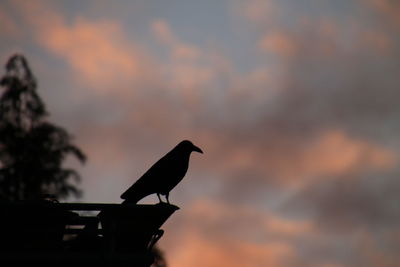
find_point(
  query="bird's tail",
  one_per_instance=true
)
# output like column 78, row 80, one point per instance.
column 130, row 201
column 136, row 192
column 133, row 196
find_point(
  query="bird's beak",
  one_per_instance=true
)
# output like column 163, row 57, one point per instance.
column 195, row 148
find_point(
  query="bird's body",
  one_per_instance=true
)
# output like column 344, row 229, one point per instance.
column 164, row 175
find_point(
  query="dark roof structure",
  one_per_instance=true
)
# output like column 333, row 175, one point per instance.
column 63, row 234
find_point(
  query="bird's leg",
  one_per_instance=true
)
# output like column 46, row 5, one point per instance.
column 159, row 198
column 167, row 196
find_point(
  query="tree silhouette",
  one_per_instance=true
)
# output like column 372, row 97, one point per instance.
column 32, row 150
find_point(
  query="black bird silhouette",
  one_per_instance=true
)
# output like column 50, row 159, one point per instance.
column 164, row 175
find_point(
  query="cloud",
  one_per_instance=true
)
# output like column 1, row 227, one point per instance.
column 163, row 32
column 315, row 123
column 361, row 211
column 8, row 26
column 389, row 9
column 291, row 137
column 258, row 11
column 366, row 201
column 188, row 68
column 97, row 51
column 290, row 158
column 279, row 43
column 211, row 233
column 378, row 41
column 199, row 251
column 214, row 234
column 334, row 153
column 374, row 254
column 180, row 50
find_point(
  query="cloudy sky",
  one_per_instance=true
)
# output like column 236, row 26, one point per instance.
column 294, row 102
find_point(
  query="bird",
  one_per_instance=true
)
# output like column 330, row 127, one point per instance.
column 164, row 175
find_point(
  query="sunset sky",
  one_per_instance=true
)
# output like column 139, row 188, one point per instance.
column 295, row 103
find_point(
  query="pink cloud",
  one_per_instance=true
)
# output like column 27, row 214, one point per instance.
column 198, row 251
column 258, row 11
column 211, row 237
column 378, row 41
column 189, row 69
column 390, row 9
column 180, row 50
column 332, row 152
column 279, row 43
column 8, row 25
column 96, row 51
column 322, row 36
column 373, row 252
column 163, row 32
column 335, row 153
column 220, row 213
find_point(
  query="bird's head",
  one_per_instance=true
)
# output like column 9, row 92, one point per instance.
column 188, row 146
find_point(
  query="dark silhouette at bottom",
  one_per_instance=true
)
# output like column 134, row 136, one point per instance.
column 45, row 233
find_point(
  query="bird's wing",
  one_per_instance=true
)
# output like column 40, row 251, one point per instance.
column 150, row 181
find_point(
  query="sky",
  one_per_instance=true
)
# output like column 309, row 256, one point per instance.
column 294, row 103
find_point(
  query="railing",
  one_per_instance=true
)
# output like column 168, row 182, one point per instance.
column 62, row 234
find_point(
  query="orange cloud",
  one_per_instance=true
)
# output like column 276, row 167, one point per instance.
column 391, row 9
column 213, row 235
column 378, row 41
column 279, row 43
column 333, row 152
column 284, row 227
column 198, row 251
column 8, row 26
column 180, row 50
column 163, row 32
column 373, row 252
column 258, row 11
column 246, row 216
column 189, row 69
column 319, row 37
column 97, row 51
